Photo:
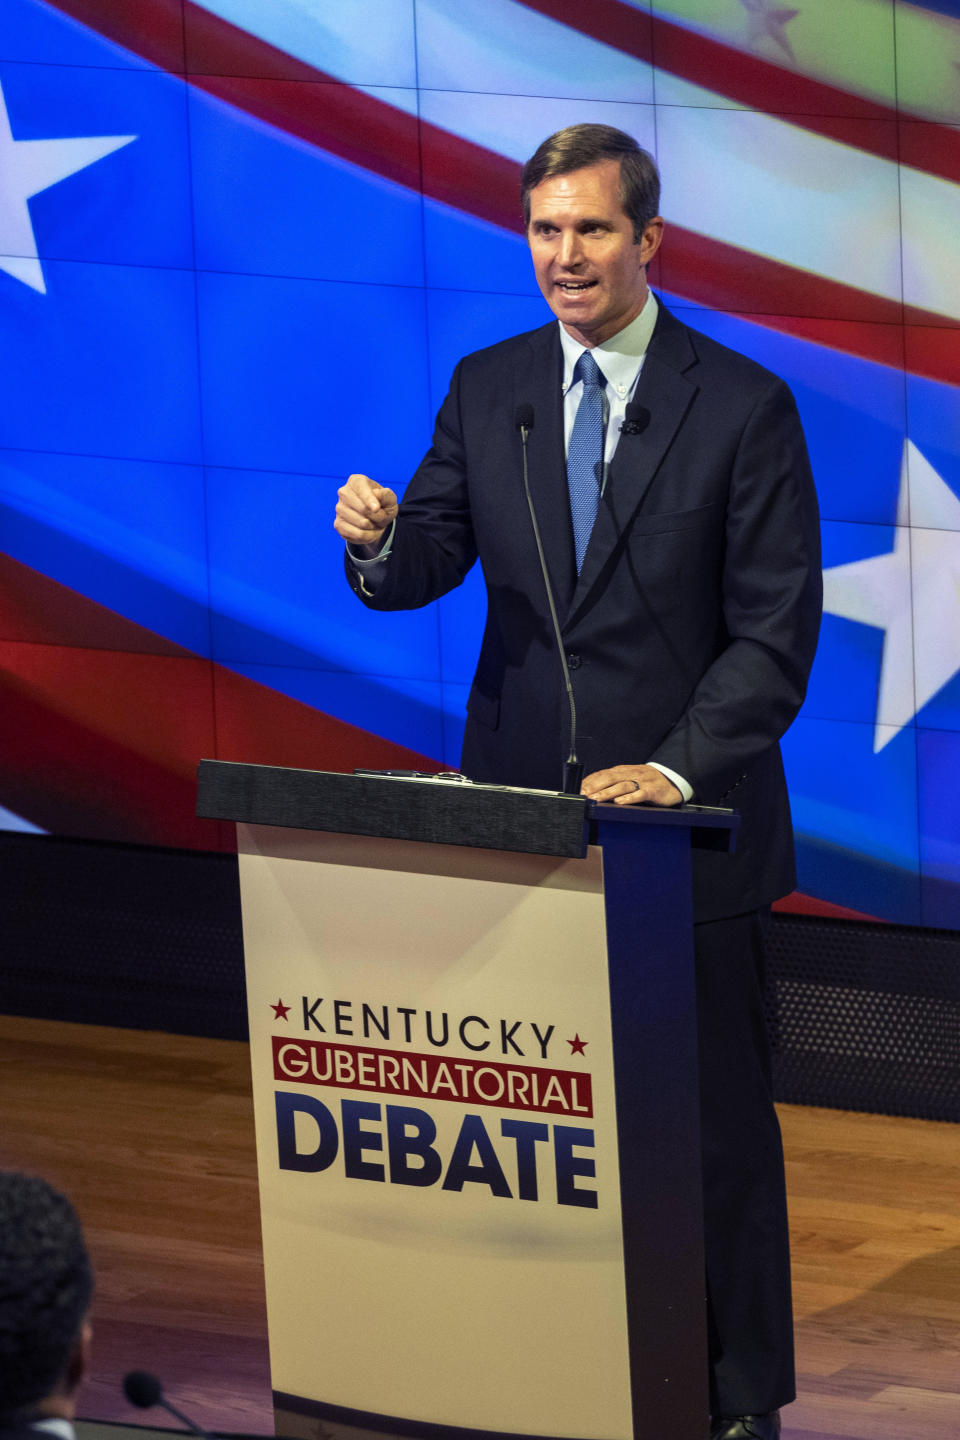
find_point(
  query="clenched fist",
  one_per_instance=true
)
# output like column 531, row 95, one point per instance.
column 365, row 511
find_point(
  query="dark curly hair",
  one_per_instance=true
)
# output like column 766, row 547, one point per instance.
column 46, row 1283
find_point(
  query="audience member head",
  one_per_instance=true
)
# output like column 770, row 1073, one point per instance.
column 46, row 1283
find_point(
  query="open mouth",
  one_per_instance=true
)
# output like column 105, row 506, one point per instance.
column 575, row 287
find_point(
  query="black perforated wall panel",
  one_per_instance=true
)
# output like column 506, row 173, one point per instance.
column 866, row 1017
column 121, row 935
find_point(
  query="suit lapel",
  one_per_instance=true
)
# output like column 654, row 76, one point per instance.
column 540, row 385
column 666, row 393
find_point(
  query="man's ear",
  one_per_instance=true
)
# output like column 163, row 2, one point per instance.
column 79, row 1363
column 650, row 239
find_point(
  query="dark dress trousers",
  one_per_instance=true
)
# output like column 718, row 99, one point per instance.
column 690, row 632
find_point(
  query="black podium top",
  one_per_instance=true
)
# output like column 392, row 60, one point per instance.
column 444, row 812
column 438, row 811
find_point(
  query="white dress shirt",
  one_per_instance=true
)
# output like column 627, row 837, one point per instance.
column 54, row 1426
column 620, row 359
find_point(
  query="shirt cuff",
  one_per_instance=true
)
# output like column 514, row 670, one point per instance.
column 686, row 790
column 367, row 569
column 362, row 562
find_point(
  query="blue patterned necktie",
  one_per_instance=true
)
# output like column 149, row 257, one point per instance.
column 585, row 456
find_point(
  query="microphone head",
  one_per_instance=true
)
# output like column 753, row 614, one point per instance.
column 142, row 1389
column 523, row 416
column 636, row 419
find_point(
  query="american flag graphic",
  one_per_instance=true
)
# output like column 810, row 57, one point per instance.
column 242, row 245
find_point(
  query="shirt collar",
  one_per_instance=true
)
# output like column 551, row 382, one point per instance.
column 621, row 356
column 52, row 1425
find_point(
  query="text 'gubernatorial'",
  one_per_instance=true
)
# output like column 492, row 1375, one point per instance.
column 469, row 1082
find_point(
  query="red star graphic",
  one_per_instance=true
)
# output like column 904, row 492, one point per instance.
column 280, row 1011
column 767, row 22
column 577, row 1046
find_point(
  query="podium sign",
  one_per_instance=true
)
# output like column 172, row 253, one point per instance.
column 436, row 1132
column 474, row 1075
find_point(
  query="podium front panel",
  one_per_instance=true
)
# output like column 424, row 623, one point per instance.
column 436, row 1128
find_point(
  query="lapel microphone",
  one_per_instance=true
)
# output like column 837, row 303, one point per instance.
column 523, row 421
column 636, row 419
column 573, row 769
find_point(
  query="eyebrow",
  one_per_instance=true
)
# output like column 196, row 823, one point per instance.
column 586, row 222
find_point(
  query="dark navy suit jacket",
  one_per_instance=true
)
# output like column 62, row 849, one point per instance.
column 693, row 623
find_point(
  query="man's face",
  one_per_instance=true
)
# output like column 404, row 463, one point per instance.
column 591, row 273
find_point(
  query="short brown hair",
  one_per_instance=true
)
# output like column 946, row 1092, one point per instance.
column 580, row 145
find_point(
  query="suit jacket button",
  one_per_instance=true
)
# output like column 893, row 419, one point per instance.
column 573, row 661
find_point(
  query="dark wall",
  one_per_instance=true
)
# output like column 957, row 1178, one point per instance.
column 122, row 935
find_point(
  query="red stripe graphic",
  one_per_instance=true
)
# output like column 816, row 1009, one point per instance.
column 343, row 121
column 800, row 904
column 102, row 722
column 152, row 29
column 756, row 83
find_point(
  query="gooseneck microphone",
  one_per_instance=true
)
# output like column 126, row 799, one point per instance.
column 144, row 1390
column 572, row 769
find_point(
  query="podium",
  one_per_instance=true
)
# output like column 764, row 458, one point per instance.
column 473, row 1044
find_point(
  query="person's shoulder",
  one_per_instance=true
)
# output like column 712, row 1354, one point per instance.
column 707, row 358
column 520, row 349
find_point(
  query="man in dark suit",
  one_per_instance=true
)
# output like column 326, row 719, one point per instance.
column 684, row 553
column 45, row 1288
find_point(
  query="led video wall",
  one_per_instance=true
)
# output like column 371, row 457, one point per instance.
column 242, row 245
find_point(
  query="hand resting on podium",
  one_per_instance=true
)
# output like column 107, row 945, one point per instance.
column 631, row 785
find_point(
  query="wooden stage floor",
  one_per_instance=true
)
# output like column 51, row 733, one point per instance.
column 152, row 1137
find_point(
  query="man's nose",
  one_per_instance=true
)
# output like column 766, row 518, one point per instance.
column 570, row 252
